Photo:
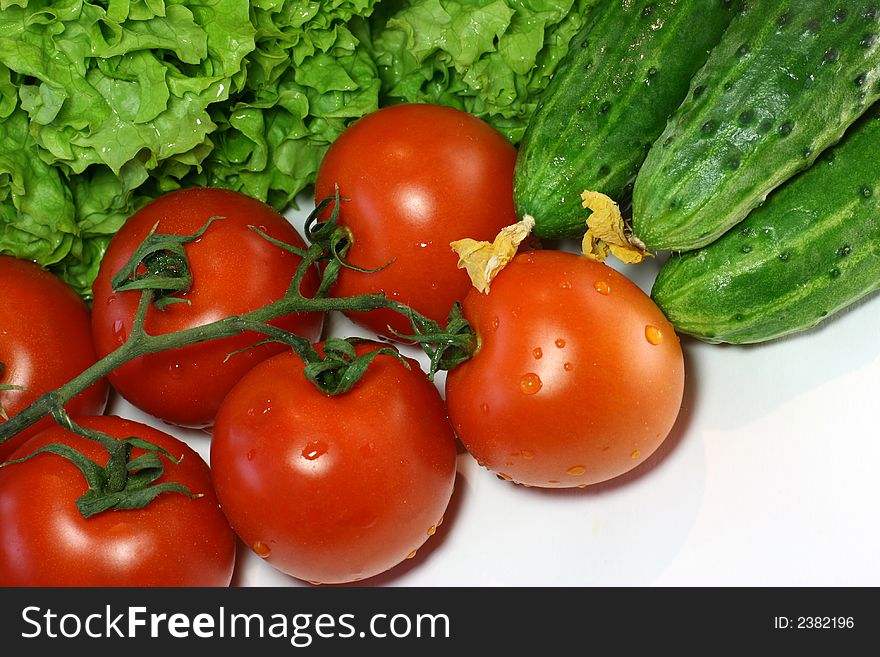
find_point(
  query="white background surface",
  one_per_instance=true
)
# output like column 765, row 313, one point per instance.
column 769, row 478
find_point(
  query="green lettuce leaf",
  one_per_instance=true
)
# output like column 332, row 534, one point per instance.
column 492, row 58
column 105, row 105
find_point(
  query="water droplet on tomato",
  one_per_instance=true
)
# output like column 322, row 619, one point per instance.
column 576, row 470
column 568, row 367
column 432, row 530
column 565, row 285
column 251, row 454
column 495, row 324
column 175, row 371
column 602, row 287
column 527, row 454
column 582, row 485
column 653, row 334
column 560, row 343
column 440, row 522
column 530, row 383
column 111, row 300
column 636, row 454
column 537, row 353
column 261, row 549
column 119, row 331
column 412, row 554
column 314, row 450
column 505, row 477
column 484, row 407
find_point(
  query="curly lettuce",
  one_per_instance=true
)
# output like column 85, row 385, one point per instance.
column 104, row 105
column 492, row 58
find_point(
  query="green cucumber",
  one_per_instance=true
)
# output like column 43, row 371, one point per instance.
column 624, row 74
column 811, row 250
column 783, row 84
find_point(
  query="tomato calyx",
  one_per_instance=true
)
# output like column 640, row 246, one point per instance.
column 333, row 239
column 124, row 482
column 446, row 347
column 160, row 264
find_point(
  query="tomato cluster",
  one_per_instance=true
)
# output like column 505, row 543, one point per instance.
column 573, row 377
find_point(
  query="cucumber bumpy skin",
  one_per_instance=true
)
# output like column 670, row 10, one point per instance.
column 783, row 84
column 810, row 251
column 625, row 73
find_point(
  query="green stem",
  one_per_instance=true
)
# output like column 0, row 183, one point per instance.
column 444, row 347
column 141, row 343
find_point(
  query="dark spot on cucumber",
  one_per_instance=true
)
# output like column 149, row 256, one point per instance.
column 870, row 14
column 784, row 256
column 604, row 170
column 866, row 192
column 813, row 26
column 728, row 86
column 784, row 19
column 868, row 41
column 588, row 66
column 739, row 317
column 831, row 56
column 835, row 273
column 733, row 163
column 647, row 11
column 652, row 72
column 839, row 16
column 745, row 248
column 785, row 128
column 808, row 151
column 603, row 108
column 743, row 50
column 765, row 126
column 667, row 141
column 861, row 79
column 843, row 251
column 746, row 117
column 708, row 127
column 699, row 90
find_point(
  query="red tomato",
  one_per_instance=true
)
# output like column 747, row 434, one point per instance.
column 45, row 340
column 339, row 488
column 578, row 377
column 173, row 541
column 417, row 178
column 234, row 270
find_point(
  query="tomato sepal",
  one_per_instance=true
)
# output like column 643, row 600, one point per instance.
column 446, row 347
column 160, row 264
column 123, row 483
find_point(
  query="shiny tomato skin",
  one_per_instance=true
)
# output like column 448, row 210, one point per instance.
column 578, row 377
column 234, row 270
column 417, row 177
column 45, row 340
column 333, row 489
column 173, row 541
